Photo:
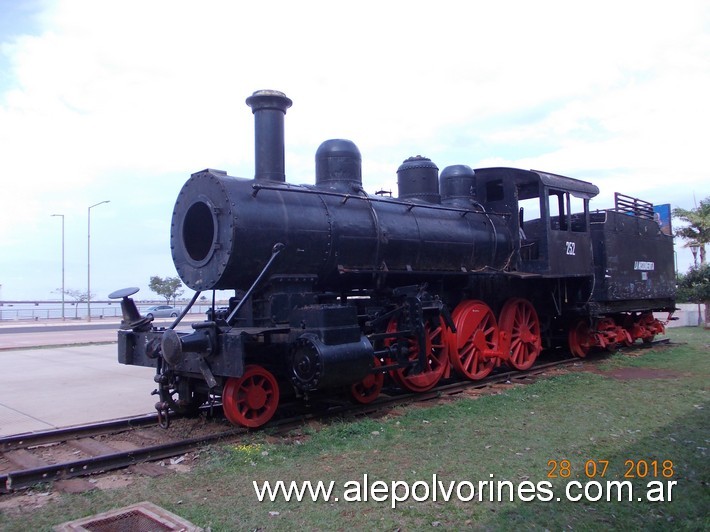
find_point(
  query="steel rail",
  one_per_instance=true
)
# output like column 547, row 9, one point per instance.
column 28, row 477
column 33, row 439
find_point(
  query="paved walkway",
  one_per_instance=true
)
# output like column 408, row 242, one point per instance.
column 62, row 386
column 58, row 374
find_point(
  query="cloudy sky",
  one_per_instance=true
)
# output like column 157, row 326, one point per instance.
column 123, row 100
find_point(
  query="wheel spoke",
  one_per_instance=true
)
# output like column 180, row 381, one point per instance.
column 469, row 358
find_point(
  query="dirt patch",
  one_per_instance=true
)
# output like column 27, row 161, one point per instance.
column 636, row 373
column 111, row 482
column 17, row 504
column 74, row 485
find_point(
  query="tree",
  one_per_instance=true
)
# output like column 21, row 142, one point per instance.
column 697, row 232
column 78, row 296
column 169, row 288
column 694, row 287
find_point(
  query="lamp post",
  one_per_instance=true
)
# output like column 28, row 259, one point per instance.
column 62, row 217
column 88, row 259
column 695, row 247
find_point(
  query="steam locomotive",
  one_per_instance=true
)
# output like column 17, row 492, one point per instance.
column 339, row 291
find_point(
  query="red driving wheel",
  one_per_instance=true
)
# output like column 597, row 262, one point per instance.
column 519, row 320
column 476, row 333
column 437, row 359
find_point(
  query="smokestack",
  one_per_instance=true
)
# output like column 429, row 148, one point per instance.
column 269, row 108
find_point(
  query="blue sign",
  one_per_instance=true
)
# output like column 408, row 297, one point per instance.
column 662, row 215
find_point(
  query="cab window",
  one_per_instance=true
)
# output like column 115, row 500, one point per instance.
column 567, row 212
column 558, row 209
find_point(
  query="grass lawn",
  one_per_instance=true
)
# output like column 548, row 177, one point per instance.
column 641, row 418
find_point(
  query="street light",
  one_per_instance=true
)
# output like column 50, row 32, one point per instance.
column 88, row 258
column 62, row 217
column 695, row 247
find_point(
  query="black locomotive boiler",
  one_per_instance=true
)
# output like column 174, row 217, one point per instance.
column 337, row 290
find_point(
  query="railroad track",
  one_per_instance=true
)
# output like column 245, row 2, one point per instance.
column 22, row 463
column 66, row 453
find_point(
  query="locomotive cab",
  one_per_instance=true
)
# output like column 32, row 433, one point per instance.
column 548, row 214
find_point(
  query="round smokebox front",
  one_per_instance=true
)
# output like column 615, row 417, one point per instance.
column 201, row 231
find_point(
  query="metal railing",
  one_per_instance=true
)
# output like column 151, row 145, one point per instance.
column 633, row 206
column 35, row 311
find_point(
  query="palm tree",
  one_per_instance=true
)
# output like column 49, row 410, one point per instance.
column 697, row 232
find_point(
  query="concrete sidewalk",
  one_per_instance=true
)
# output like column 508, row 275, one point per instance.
column 58, row 374
column 62, row 386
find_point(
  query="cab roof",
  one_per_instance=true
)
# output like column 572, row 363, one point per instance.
column 576, row 187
